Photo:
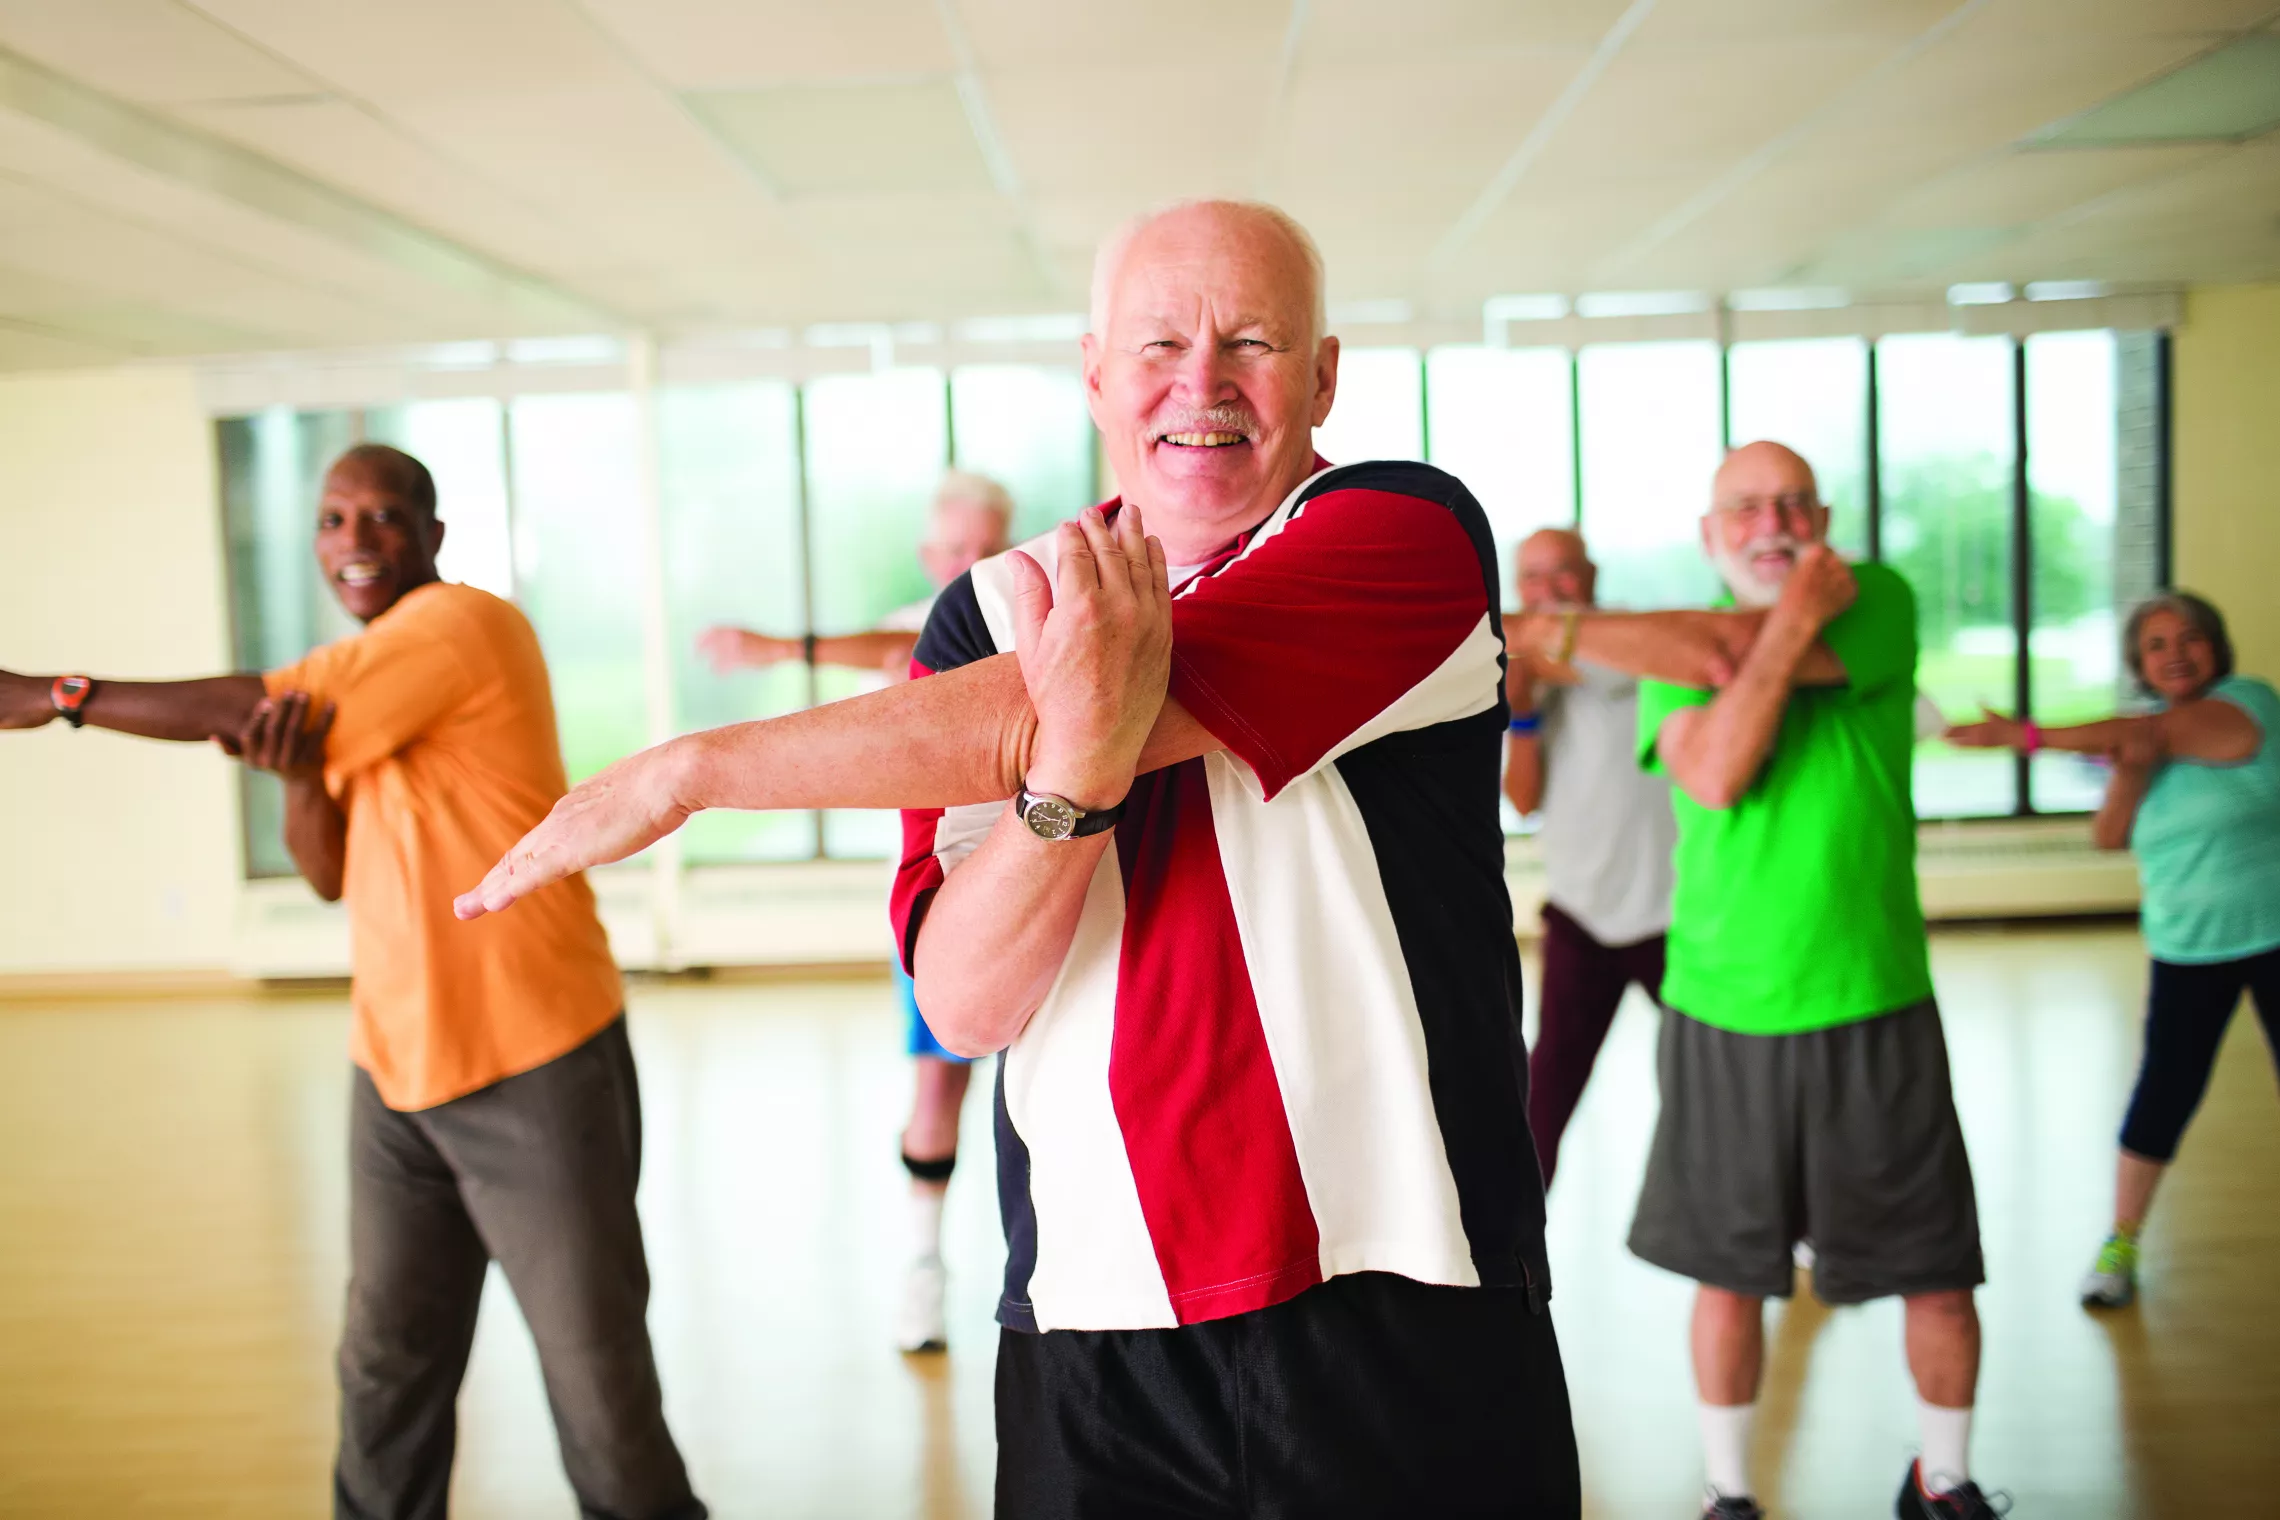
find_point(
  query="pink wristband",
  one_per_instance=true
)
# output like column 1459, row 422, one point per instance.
column 2031, row 737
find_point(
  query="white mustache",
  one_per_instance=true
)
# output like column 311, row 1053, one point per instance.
column 1771, row 543
column 1211, row 419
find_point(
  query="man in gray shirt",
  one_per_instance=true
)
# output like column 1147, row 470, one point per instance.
column 1607, row 837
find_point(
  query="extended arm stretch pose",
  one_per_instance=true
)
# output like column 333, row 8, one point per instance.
column 1798, row 984
column 966, row 523
column 1605, row 835
column 2196, row 793
column 1218, row 868
column 411, row 754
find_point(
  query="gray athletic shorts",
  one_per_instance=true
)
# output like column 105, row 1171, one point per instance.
column 1843, row 1137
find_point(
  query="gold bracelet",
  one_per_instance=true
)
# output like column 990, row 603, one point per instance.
column 1569, row 620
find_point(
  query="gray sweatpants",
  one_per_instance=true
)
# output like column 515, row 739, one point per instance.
column 537, row 1171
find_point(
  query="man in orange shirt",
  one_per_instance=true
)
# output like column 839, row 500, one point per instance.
column 495, row 1110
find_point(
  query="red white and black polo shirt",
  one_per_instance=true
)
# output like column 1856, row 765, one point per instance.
column 1286, row 1041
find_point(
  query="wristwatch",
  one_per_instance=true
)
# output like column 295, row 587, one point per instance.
column 1051, row 817
column 68, row 696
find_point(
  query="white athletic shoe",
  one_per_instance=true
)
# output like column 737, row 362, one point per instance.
column 919, row 1326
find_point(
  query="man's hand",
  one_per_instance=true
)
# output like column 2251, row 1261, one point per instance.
column 278, row 737
column 1095, row 644
column 1992, row 731
column 24, row 701
column 728, row 648
column 619, row 812
column 1818, row 589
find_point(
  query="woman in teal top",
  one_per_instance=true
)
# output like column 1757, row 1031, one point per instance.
column 2196, row 793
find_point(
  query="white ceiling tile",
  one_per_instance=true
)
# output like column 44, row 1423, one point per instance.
column 408, row 49
column 153, row 51
column 1202, row 35
column 344, row 145
column 906, row 135
column 1154, row 132
column 1370, row 32
column 706, row 45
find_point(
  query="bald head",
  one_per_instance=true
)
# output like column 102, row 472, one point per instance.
column 1553, row 570
column 1763, row 468
column 392, row 470
column 1262, row 231
column 1764, row 509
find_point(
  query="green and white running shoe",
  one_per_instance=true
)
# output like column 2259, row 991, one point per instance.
column 2112, row 1282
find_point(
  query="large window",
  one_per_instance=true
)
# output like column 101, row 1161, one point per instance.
column 1502, row 420
column 1026, row 428
column 729, row 475
column 1811, row 394
column 2073, row 459
column 789, row 509
column 1649, row 445
column 1945, row 419
column 1379, row 409
column 876, row 446
column 797, row 508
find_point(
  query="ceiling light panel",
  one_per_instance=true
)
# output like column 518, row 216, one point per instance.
column 857, row 139
column 2229, row 95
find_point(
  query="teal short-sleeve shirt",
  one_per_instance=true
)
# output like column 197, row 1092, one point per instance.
column 1796, row 908
column 2207, row 839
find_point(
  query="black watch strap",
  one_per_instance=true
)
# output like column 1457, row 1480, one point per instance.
column 1099, row 821
column 1051, row 817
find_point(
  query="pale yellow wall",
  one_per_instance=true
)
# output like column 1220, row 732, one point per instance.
column 2227, row 463
column 115, row 853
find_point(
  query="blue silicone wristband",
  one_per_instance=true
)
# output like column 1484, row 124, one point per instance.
column 1526, row 723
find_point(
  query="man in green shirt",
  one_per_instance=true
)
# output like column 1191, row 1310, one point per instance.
column 1804, row 1077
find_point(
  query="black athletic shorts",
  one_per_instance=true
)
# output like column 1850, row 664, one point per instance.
column 1367, row 1396
column 1846, row 1138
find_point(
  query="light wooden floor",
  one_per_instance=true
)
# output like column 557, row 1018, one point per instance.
column 171, row 1263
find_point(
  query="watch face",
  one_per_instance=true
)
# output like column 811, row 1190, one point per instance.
column 1050, row 817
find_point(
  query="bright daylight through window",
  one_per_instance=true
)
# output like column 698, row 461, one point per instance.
column 796, row 508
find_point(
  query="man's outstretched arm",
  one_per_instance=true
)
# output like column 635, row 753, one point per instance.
column 967, row 735
column 1714, row 753
column 1701, row 648
column 217, row 707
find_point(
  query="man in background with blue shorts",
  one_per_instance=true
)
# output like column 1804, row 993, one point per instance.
column 971, row 518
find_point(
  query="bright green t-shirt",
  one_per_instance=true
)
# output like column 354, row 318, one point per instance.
column 1796, row 908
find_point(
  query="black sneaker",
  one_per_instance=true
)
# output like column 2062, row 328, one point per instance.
column 1727, row 1507
column 1965, row 1503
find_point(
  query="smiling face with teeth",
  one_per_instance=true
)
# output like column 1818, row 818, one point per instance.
column 1765, row 509
column 377, row 532
column 1206, row 373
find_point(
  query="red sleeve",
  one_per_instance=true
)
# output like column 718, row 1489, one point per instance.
column 1365, row 613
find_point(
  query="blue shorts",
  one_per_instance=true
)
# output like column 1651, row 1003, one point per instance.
column 921, row 1039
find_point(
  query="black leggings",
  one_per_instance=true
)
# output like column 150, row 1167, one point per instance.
column 2185, row 1017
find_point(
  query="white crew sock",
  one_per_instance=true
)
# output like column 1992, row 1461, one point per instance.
column 926, row 1218
column 1945, row 1463
column 1726, row 1447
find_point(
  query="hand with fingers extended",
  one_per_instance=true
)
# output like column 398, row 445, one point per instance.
column 728, row 648
column 279, row 737
column 619, row 811
column 1095, row 643
column 1992, row 731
